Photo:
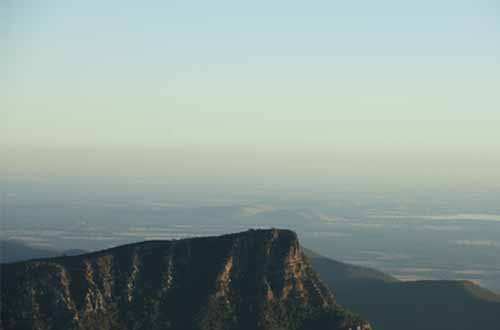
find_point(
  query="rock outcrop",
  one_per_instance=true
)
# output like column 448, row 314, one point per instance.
column 258, row 279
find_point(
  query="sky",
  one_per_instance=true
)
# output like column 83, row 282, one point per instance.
column 307, row 91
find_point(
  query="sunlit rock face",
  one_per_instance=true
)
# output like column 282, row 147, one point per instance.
column 258, row 279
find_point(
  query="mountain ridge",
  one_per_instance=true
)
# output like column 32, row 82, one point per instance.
column 258, row 279
column 424, row 304
column 14, row 251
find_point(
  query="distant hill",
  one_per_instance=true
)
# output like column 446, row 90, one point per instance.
column 390, row 304
column 12, row 250
column 255, row 280
column 344, row 272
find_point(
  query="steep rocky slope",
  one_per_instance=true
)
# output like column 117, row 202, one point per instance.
column 259, row 279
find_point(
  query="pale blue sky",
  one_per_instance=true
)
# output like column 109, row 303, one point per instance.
column 369, row 81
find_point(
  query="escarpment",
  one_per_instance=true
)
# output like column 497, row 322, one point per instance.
column 258, row 279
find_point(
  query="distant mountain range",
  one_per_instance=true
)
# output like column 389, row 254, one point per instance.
column 381, row 299
column 258, row 279
column 11, row 251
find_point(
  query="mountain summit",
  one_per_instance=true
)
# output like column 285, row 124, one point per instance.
column 258, row 279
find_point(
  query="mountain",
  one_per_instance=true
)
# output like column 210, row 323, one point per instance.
column 390, row 304
column 344, row 273
column 259, row 279
column 12, row 251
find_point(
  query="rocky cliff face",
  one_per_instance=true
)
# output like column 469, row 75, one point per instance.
column 258, row 279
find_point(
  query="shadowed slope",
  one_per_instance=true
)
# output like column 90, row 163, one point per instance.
column 392, row 305
column 258, row 279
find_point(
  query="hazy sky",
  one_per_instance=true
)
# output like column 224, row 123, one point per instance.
column 297, row 89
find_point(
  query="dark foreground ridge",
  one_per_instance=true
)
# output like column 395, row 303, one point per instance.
column 258, row 279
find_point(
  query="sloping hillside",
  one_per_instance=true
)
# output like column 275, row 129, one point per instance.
column 391, row 305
